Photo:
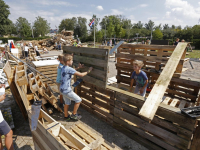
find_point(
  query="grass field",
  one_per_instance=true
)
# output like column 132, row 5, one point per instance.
column 194, row 54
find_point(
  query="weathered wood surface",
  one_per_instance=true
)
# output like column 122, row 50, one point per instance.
column 169, row 129
column 150, row 106
column 10, row 74
column 91, row 57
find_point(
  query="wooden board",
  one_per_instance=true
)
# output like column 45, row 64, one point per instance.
column 91, row 57
column 150, row 106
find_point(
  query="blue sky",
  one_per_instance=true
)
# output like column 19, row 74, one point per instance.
column 177, row 12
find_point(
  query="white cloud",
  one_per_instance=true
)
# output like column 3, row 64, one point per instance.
column 152, row 18
column 143, row 5
column 52, row 2
column 99, row 8
column 168, row 14
column 116, row 12
column 182, row 8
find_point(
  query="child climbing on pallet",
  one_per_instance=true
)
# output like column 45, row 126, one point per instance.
column 140, row 78
column 58, row 79
column 65, row 87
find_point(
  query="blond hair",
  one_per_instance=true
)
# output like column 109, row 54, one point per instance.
column 138, row 63
column 60, row 57
column 67, row 57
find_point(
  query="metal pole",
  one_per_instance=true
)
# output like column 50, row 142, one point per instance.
column 151, row 32
column 94, row 33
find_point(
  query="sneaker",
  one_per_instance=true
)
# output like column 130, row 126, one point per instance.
column 76, row 116
column 68, row 118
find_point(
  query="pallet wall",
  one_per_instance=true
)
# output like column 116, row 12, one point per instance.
column 91, row 57
column 152, row 55
column 168, row 130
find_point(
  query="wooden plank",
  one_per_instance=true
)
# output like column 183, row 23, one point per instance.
column 161, row 122
column 143, row 58
column 174, row 102
column 88, row 131
column 82, row 134
column 164, row 134
column 104, row 98
column 85, row 50
column 171, row 113
column 153, row 47
column 166, row 100
column 94, row 81
column 151, row 105
column 91, row 61
column 196, row 139
column 144, row 134
column 95, row 72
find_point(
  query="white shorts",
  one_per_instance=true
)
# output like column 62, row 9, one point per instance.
column 71, row 96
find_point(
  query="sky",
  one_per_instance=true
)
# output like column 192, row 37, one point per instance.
column 172, row 12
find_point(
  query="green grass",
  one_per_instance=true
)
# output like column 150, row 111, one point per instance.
column 193, row 54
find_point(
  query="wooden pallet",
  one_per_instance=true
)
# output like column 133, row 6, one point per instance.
column 90, row 138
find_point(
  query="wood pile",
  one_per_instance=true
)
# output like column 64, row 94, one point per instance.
column 46, row 67
column 49, row 133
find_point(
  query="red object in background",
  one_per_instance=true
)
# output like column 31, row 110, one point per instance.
column 148, row 90
column 12, row 45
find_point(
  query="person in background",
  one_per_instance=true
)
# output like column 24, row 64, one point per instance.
column 56, row 45
column 176, row 42
column 36, row 50
column 58, row 79
column 26, row 48
column 75, row 44
column 5, row 128
column 60, row 45
column 30, row 44
column 45, row 50
column 110, row 42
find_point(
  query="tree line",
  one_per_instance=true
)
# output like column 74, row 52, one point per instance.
column 113, row 26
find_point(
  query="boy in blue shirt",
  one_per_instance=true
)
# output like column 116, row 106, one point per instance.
column 140, row 78
column 65, row 87
column 58, row 79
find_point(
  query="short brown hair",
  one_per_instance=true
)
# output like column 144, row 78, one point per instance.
column 139, row 63
column 67, row 57
column 60, row 57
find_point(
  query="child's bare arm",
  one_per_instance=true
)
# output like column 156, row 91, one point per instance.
column 131, row 85
column 82, row 74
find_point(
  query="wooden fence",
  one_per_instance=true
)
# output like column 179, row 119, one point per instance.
column 169, row 129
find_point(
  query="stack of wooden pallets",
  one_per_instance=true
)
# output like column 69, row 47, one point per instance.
column 46, row 67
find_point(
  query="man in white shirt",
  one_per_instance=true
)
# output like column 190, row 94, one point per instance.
column 5, row 128
column 26, row 50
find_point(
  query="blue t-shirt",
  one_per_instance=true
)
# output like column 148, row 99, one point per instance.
column 58, row 79
column 140, row 78
column 66, row 75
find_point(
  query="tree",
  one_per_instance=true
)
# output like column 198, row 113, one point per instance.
column 138, row 25
column 41, row 26
column 68, row 24
column 149, row 25
column 23, row 27
column 165, row 26
column 99, row 36
column 127, row 26
column 81, row 28
column 157, row 34
column 4, row 21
